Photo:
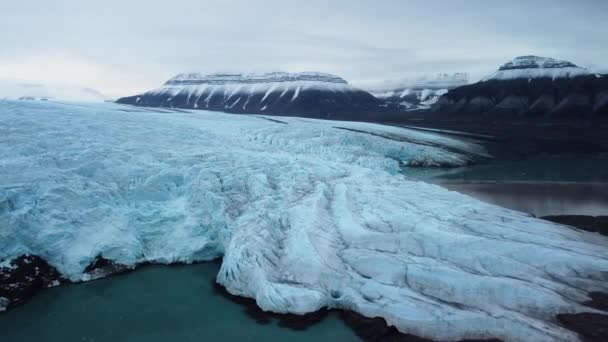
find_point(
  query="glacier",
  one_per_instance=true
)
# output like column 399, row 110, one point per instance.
column 305, row 214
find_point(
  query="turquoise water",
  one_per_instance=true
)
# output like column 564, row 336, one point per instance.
column 154, row 303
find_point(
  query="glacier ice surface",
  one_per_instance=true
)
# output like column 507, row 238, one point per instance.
column 305, row 213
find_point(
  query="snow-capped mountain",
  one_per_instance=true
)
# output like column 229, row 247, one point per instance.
column 421, row 93
column 48, row 92
column 533, row 67
column 532, row 87
column 300, row 94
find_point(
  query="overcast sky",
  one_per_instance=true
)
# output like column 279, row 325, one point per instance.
column 125, row 47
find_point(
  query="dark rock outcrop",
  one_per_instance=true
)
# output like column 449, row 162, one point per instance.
column 102, row 267
column 22, row 277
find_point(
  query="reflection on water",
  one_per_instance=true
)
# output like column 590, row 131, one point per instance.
column 543, row 169
column 540, row 186
column 540, row 199
column 155, row 303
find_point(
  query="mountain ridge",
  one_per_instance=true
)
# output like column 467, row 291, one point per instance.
column 419, row 93
column 309, row 94
column 530, row 87
column 533, row 67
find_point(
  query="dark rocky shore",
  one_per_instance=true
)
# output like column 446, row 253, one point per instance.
column 368, row 329
column 596, row 224
column 23, row 278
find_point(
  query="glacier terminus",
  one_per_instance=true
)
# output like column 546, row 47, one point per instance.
column 305, row 214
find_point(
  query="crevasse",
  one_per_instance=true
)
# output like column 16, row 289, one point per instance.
column 305, row 213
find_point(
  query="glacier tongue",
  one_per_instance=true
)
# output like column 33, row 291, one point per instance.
column 305, row 215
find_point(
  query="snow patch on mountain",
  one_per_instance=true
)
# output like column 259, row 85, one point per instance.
column 194, row 84
column 305, row 213
column 252, row 78
column 306, row 94
column 533, row 67
column 418, row 93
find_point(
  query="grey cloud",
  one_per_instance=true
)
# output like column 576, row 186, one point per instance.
column 135, row 45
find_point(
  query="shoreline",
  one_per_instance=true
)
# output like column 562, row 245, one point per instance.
column 588, row 325
column 374, row 329
column 527, row 138
column 539, row 198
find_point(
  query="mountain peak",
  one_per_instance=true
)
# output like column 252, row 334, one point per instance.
column 309, row 94
column 536, row 62
column 533, row 67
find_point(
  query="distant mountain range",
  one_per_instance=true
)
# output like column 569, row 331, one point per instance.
column 526, row 88
column 420, row 93
column 45, row 92
column 306, row 94
column 530, row 87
